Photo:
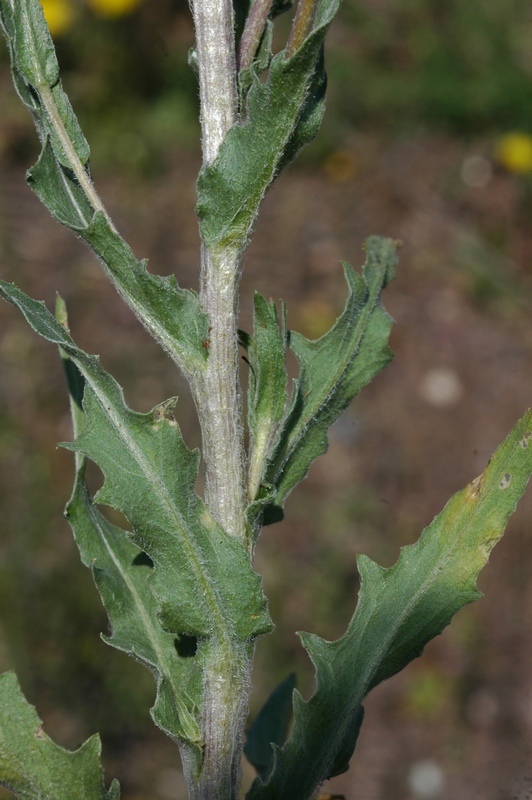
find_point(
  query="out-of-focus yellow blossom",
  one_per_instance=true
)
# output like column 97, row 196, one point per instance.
column 113, row 8
column 59, row 15
column 340, row 166
column 514, row 151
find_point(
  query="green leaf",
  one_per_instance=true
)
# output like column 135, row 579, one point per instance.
column 333, row 370
column 121, row 572
column 399, row 610
column 33, row 767
column 61, row 179
column 270, row 727
column 347, row 744
column 171, row 314
column 267, row 386
column 151, row 476
column 36, row 77
column 254, row 151
column 59, row 191
column 202, row 579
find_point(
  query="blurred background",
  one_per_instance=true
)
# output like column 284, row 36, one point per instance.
column 427, row 139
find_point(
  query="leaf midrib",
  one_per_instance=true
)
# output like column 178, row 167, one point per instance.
column 84, row 362
column 380, row 654
column 333, row 383
column 222, row 623
column 162, row 665
column 359, row 690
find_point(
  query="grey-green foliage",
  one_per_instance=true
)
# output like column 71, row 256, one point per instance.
column 35, row 66
column 35, row 768
column 267, row 390
column 178, row 582
column 399, row 610
column 217, row 593
column 333, row 370
column 121, row 571
column 61, row 179
column 279, row 117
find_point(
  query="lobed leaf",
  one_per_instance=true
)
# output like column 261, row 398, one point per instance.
column 280, row 116
column 33, row 767
column 61, row 179
column 333, row 370
column 121, row 572
column 399, row 610
column 202, row 579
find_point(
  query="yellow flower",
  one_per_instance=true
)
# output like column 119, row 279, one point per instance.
column 113, row 8
column 59, row 15
column 340, row 166
column 514, row 151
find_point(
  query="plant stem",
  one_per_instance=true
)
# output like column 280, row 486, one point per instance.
column 218, row 393
column 227, row 663
column 304, row 13
column 227, row 679
column 215, row 45
column 252, row 33
column 219, row 403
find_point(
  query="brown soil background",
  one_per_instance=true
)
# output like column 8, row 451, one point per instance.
column 461, row 302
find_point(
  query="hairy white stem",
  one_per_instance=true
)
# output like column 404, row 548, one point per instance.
column 218, row 393
column 227, row 663
column 226, row 684
column 227, row 680
column 215, row 46
column 220, row 405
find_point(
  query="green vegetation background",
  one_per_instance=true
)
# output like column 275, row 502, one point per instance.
column 395, row 67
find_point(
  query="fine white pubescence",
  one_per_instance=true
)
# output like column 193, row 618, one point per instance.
column 225, row 713
column 69, row 151
column 217, row 392
column 219, row 401
column 215, row 45
column 226, row 664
